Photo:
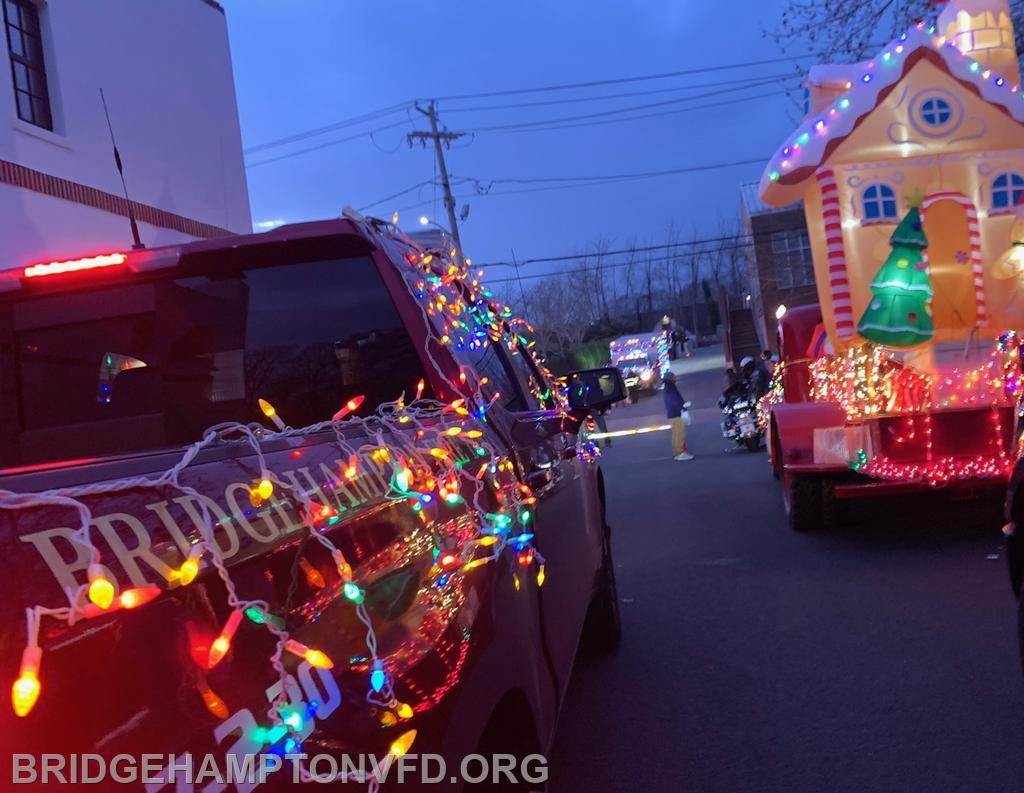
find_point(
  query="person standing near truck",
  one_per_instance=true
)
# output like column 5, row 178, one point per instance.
column 675, row 405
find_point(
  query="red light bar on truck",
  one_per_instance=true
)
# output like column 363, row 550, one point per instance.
column 74, row 265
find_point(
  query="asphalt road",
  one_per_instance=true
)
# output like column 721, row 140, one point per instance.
column 878, row 657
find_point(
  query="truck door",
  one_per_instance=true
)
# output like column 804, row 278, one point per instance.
column 568, row 526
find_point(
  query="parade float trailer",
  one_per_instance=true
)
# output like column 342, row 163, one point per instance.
column 907, row 377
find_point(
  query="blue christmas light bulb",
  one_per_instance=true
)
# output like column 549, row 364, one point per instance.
column 377, row 676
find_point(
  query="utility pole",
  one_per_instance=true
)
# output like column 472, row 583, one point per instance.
column 441, row 138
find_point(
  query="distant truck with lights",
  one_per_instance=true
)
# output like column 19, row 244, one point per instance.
column 642, row 358
column 907, row 376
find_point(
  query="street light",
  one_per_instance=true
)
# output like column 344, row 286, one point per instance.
column 780, row 312
column 424, row 220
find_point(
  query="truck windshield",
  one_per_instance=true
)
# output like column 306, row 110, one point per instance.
column 141, row 366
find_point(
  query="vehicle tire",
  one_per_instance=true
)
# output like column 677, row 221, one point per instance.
column 802, row 499
column 752, row 443
column 510, row 731
column 602, row 630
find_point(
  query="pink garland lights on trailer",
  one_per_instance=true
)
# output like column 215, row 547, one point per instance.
column 437, row 456
column 867, row 381
column 945, row 469
column 997, row 385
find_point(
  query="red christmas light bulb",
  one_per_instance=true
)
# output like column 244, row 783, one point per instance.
column 222, row 643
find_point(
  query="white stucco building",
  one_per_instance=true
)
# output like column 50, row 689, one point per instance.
column 165, row 69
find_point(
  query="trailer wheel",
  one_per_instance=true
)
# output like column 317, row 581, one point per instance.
column 802, row 499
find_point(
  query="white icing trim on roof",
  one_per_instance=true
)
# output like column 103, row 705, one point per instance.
column 806, row 147
column 834, row 73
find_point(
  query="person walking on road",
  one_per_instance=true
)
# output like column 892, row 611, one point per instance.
column 675, row 405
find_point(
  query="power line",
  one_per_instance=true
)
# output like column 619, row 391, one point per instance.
column 618, row 111
column 689, row 254
column 311, row 133
column 624, row 95
column 659, row 114
column 407, row 190
column 329, row 143
column 631, row 250
column 612, row 266
column 405, row 105
column 576, row 181
column 622, row 176
column 621, row 80
column 541, row 125
column 594, row 183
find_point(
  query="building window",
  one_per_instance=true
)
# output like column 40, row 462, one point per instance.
column 880, row 204
column 791, row 252
column 25, row 44
column 936, row 112
column 1007, row 190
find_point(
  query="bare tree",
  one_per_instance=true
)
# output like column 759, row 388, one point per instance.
column 841, row 28
column 561, row 319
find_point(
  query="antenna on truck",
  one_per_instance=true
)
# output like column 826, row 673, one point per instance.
column 136, row 240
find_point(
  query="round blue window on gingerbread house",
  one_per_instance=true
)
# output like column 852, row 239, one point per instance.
column 936, row 112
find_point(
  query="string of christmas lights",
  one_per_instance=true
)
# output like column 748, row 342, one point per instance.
column 867, row 381
column 776, row 395
column 439, row 455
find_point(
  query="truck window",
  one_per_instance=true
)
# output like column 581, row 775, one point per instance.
column 530, row 379
column 489, row 361
column 138, row 367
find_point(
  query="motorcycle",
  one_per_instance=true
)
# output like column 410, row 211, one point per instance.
column 740, row 420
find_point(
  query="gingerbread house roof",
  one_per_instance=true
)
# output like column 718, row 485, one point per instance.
column 869, row 84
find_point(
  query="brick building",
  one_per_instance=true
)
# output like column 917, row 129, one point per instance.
column 780, row 269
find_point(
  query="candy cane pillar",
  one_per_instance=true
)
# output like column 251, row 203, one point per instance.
column 838, row 279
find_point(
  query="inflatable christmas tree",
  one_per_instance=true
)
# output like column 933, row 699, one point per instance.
column 900, row 312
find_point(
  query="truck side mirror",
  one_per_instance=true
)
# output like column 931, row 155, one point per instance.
column 595, row 389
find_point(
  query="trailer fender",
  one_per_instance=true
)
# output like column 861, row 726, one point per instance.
column 793, row 426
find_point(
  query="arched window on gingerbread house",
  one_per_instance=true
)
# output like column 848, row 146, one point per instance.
column 1007, row 190
column 880, row 204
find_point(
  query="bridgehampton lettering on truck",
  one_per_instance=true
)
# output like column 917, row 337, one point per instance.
column 275, row 520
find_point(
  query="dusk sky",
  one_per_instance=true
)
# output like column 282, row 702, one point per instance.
column 311, row 63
